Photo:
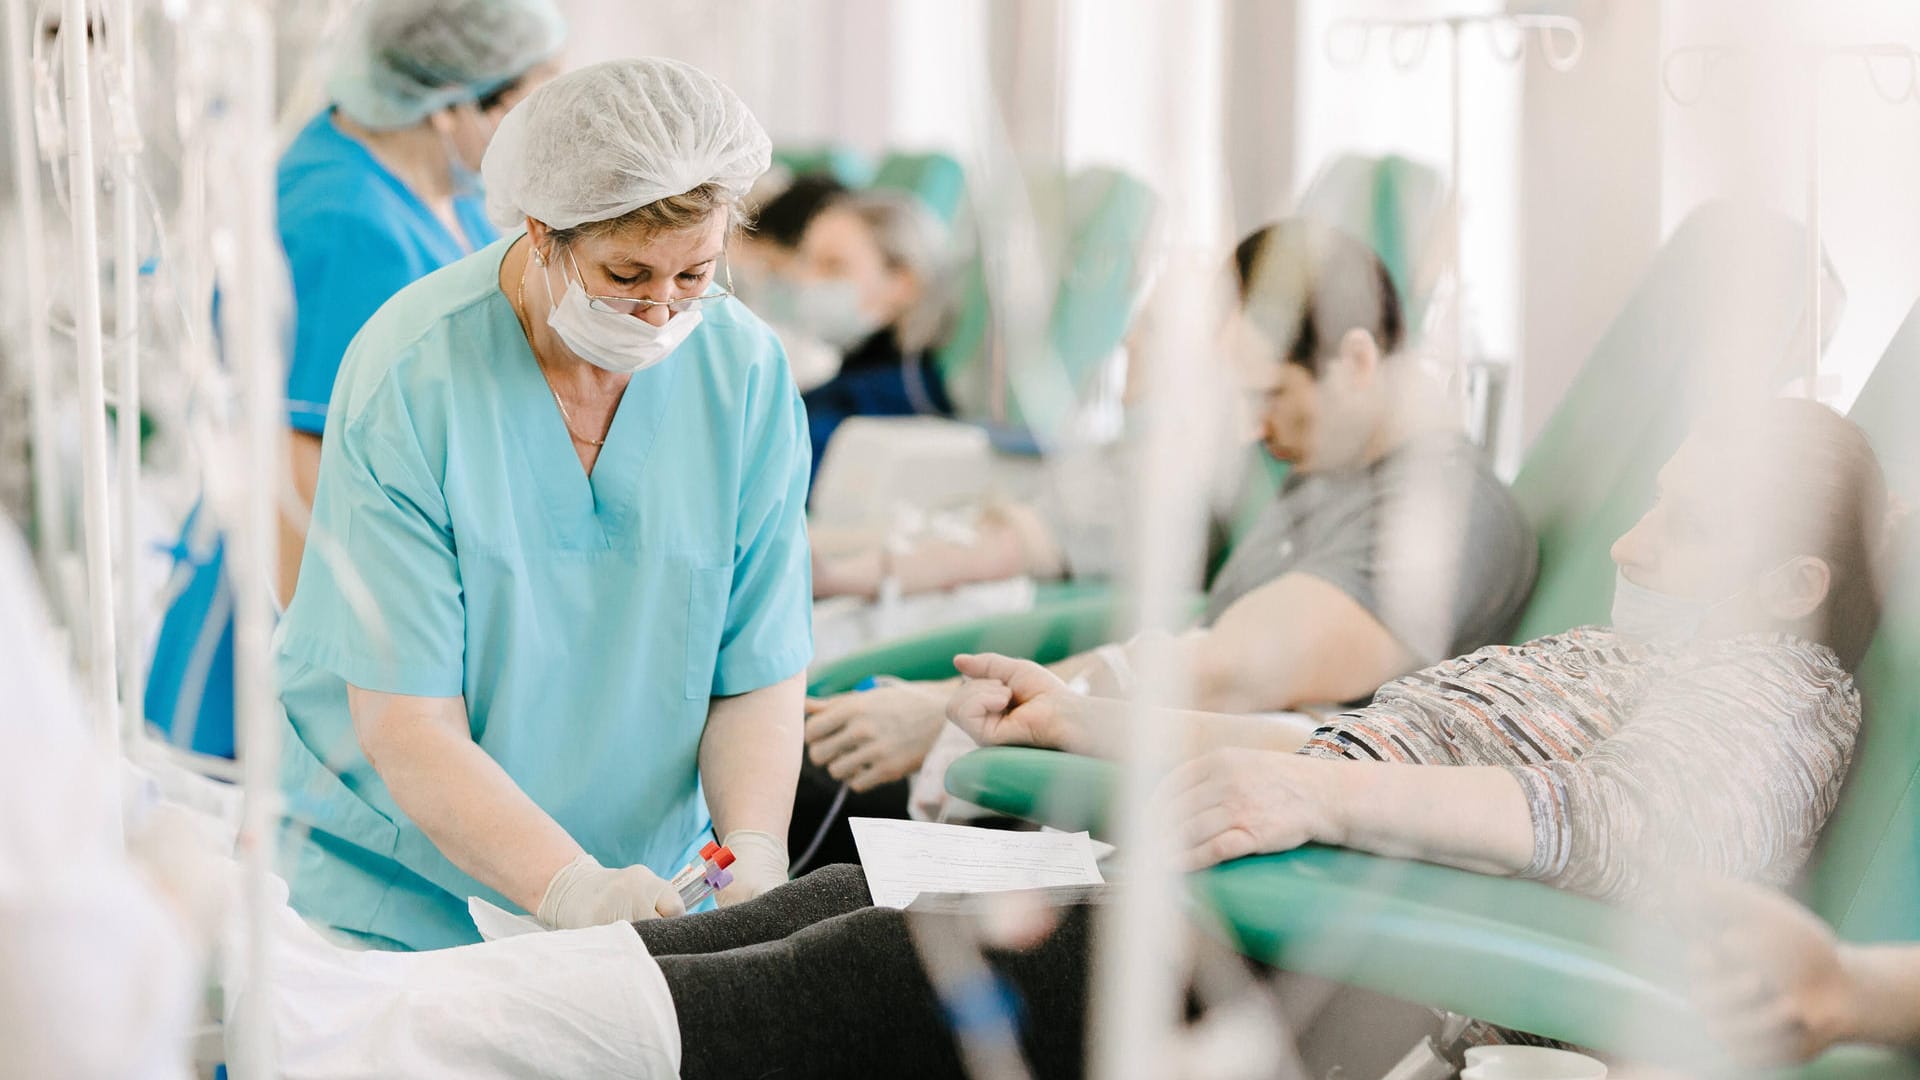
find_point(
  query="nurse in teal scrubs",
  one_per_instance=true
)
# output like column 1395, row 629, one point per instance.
column 557, row 638
column 376, row 191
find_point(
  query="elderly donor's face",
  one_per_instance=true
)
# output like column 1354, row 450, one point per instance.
column 1701, row 537
column 1718, row 532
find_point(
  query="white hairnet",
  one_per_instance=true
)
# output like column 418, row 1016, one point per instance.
column 608, row 139
column 404, row 60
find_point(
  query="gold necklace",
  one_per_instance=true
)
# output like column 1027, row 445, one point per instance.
column 566, row 418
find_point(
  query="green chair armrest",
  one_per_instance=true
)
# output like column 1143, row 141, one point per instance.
column 1518, row 954
column 1066, row 791
column 1514, row 953
column 1065, row 619
column 1855, row 1063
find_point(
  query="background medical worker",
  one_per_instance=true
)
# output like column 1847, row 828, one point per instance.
column 567, row 478
column 378, row 190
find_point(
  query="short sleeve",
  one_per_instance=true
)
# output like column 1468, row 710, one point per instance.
column 379, row 599
column 1265, row 552
column 769, row 628
column 1438, row 552
column 344, row 266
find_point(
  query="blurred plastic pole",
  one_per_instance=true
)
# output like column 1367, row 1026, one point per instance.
column 1140, row 961
column 1020, row 271
column 1815, row 321
column 253, row 303
column 83, row 185
column 124, row 125
column 1456, row 359
column 49, row 517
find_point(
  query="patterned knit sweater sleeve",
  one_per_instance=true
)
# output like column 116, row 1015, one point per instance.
column 1729, row 767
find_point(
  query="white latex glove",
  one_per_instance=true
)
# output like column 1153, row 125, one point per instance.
column 584, row 894
column 759, row 864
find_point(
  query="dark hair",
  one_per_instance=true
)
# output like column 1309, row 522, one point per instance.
column 1820, row 465
column 911, row 239
column 491, row 100
column 1306, row 285
column 783, row 219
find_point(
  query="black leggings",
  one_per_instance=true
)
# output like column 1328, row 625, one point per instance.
column 812, row 980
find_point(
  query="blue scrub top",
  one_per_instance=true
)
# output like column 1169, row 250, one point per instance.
column 458, row 548
column 354, row 235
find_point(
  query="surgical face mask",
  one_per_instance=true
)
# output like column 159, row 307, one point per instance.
column 1642, row 613
column 828, row 310
column 610, row 341
column 462, row 178
column 469, row 125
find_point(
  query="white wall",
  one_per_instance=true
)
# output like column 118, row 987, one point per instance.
column 1569, row 181
column 1143, row 93
column 1083, row 81
column 1756, row 136
column 1589, row 199
column 811, row 70
column 1396, row 99
column 1257, row 120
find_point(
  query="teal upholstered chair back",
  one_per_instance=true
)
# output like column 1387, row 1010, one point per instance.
column 1711, row 321
column 1866, row 879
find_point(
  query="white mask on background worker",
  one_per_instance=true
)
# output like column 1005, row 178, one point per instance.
column 846, row 285
column 829, row 310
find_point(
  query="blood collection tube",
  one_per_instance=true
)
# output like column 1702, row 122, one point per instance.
column 709, row 883
column 712, row 857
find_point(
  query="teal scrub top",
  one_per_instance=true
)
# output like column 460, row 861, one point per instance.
column 458, row 548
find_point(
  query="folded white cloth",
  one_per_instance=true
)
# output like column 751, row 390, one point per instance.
column 568, row 1003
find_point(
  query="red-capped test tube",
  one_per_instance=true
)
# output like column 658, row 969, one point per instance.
column 713, row 857
column 711, row 882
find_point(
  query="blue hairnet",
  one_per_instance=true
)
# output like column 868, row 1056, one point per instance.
column 610, row 138
column 405, row 60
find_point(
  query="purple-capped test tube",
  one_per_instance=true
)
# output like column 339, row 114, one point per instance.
column 712, row 882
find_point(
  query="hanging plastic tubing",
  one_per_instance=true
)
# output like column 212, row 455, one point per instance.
column 1690, row 73
column 1561, row 39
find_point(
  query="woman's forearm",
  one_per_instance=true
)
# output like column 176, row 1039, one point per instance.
column 469, row 807
column 1200, row 732
column 750, row 757
column 928, row 566
column 303, row 455
column 1886, row 995
column 1475, row 818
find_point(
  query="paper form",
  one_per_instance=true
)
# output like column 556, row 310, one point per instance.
column 906, row 858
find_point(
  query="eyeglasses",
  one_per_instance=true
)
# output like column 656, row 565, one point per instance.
column 633, row 305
